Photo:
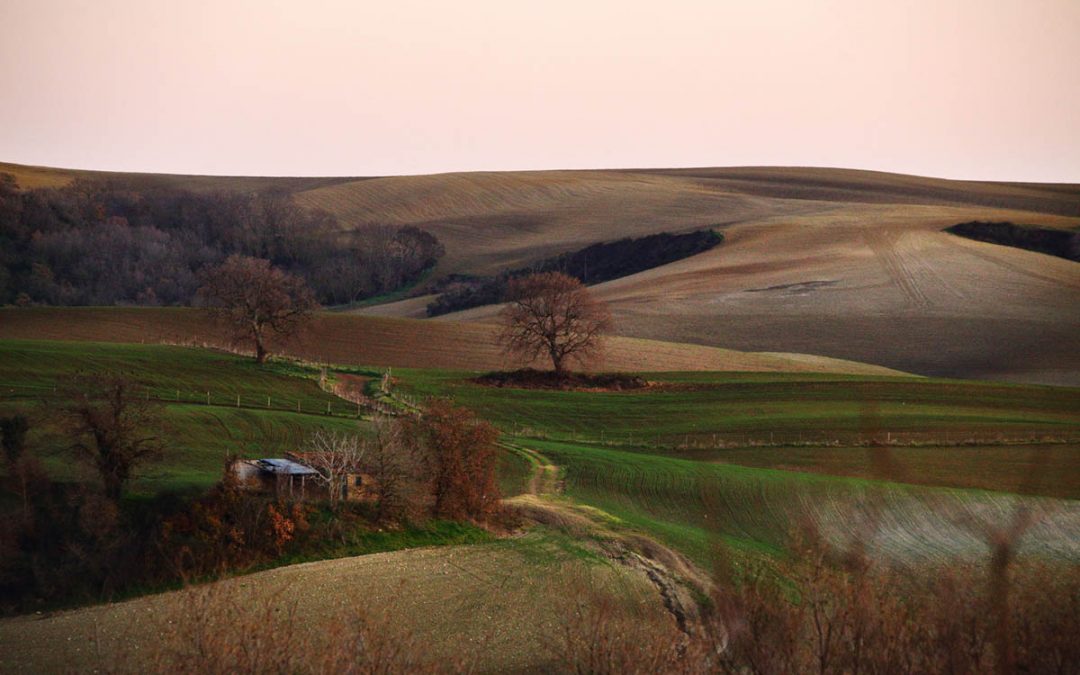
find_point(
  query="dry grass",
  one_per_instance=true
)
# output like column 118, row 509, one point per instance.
column 490, row 607
column 375, row 341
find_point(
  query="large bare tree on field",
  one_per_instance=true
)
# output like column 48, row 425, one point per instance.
column 113, row 427
column 256, row 299
column 554, row 315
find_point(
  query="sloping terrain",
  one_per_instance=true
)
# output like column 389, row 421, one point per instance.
column 497, row 607
column 29, row 177
column 373, row 341
column 841, row 263
column 213, row 405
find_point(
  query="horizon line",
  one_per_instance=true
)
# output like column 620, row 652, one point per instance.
column 688, row 167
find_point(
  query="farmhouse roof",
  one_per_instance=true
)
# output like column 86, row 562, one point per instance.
column 285, row 466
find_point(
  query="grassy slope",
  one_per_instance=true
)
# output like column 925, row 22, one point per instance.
column 687, row 496
column 498, row 607
column 1006, row 468
column 681, row 407
column 199, row 437
column 164, row 369
column 821, row 406
column 687, row 504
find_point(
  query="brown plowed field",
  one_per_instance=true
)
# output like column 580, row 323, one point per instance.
column 845, row 264
column 375, row 341
column 841, row 263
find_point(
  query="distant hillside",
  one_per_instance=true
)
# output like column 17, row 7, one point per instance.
column 841, row 263
column 29, row 177
column 370, row 341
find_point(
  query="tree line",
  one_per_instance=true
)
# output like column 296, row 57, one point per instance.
column 593, row 264
column 108, row 243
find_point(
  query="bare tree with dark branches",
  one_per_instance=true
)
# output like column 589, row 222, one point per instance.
column 334, row 455
column 256, row 299
column 113, row 429
column 554, row 315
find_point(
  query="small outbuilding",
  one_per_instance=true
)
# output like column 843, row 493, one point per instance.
column 291, row 477
column 284, row 477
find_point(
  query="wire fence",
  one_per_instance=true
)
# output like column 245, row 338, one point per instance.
column 347, row 404
column 328, row 405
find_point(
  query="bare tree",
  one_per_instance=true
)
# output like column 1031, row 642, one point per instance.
column 553, row 314
column 255, row 299
column 395, row 465
column 334, row 455
column 113, row 427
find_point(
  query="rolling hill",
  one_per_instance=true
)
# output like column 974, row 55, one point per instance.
column 846, row 264
column 840, row 263
column 374, row 341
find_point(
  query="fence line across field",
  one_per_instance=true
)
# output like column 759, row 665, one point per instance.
column 331, row 406
column 334, row 406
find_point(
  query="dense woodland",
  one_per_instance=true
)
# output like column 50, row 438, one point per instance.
column 1062, row 243
column 594, row 264
column 93, row 243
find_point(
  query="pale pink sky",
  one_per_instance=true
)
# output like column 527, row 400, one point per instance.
column 956, row 88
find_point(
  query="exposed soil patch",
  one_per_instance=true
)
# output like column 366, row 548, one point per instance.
column 352, row 387
column 800, row 288
column 529, row 378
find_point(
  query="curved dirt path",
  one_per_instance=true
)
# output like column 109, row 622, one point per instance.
column 675, row 578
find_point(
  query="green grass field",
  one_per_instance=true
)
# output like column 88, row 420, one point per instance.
column 197, row 438
column 691, row 505
column 693, row 407
column 650, row 459
column 35, row 369
column 658, row 468
column 1035, row 469
column 35, row 376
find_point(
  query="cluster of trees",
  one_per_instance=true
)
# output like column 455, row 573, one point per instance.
column 440, row 464
column 93, row 243
column 61, row 541
column 1062, row 243
column 591, row 265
